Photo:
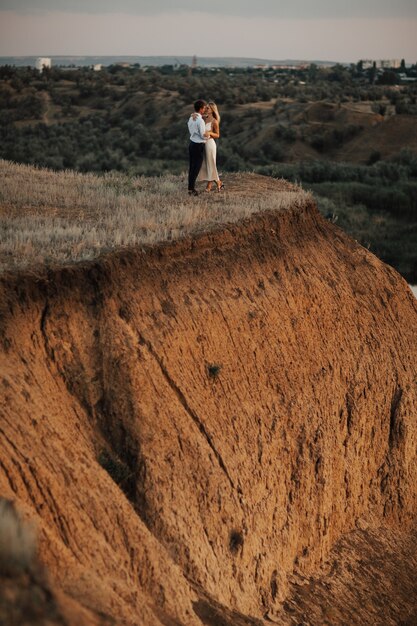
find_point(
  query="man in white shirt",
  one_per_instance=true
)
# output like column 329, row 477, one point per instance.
column 198, row 138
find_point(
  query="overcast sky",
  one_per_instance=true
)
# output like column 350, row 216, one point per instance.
column 335, row 30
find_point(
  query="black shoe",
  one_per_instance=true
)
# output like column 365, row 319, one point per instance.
column 193, row 192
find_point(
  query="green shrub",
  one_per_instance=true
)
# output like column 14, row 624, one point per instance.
column 214, row 370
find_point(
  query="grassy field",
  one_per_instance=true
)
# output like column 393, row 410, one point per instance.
column 53, row 218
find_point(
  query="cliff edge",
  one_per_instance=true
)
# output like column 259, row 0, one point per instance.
column 220, row 430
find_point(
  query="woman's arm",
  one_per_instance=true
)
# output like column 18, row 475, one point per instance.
column 215, row 130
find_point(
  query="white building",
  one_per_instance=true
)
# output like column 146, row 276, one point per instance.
column 389, row 63
column 367, row 64
column 97, row 67
column 381, row 64
column 42, row 62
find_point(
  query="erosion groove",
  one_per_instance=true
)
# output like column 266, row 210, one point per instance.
column 218, row 430
column 188, row 409
column 394, row 423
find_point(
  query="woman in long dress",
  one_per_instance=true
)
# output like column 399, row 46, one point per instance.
column 208, row 170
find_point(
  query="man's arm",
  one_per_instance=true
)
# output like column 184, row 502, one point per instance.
column 201, row 128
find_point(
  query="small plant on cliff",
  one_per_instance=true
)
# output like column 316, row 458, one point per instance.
column 235, row 541
column 214, row 370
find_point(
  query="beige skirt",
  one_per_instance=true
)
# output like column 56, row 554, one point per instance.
column 208, row 170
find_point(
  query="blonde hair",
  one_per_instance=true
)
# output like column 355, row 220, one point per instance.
column 215, row 111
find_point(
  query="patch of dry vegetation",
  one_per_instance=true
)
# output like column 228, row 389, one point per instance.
column 17, row 540
column 53, row 218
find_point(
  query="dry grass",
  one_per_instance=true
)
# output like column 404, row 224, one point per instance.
column 17, row 540
column 50, row 218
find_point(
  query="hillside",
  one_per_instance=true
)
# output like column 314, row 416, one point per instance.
column 215, row 430
column 134, row 119
column 340, row 132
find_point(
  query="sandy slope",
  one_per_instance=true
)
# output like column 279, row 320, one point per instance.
column 255, row 389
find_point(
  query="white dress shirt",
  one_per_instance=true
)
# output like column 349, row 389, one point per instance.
column 197, row 129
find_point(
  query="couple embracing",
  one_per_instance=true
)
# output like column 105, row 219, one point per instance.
column 204, row 127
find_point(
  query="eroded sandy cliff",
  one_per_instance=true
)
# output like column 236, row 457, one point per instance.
column 253, row 392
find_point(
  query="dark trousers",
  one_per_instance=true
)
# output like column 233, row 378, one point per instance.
column 196, row 152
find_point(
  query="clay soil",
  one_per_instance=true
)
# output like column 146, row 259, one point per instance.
column 216, row 431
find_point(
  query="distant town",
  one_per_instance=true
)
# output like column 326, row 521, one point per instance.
column 380, row 66
column 389, row 71
column 193, row 61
